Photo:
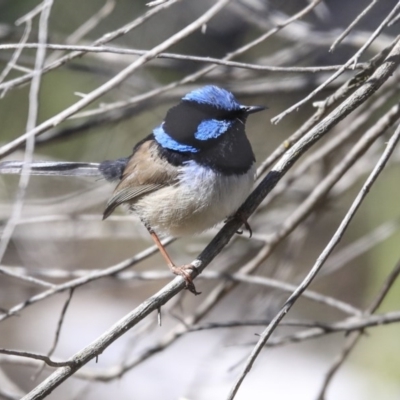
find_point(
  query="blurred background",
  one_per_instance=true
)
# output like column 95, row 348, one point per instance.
column 60, row 236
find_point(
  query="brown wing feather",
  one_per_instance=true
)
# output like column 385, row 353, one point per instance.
column 144, row 173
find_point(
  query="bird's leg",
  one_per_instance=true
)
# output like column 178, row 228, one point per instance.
column 183, row 270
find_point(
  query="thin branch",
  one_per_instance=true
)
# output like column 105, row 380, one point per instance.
column 174, row 56
column 352, row 25
column 60, row 321
column 84, row 280
column 116, row 80
column 326, row 149
column 353, row 340
column 203, row 71
column 86, row 27
column 257, row 322
column 18, row 50
column 102, row 40
column 323, row 106
column 29, row 16
column 320, row 261
column 256, row 280
column 352, row 61
column 35, row 356
column 394, row 20
column 26, row 278
column 322, row 329
column 58, row 330
column 30, row 124
column 209, row 275
column 360, row 246
column 347, row 326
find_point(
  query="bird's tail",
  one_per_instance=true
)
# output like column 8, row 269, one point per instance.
column 52, row 168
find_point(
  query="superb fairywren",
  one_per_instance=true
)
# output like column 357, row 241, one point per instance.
column 191, row 173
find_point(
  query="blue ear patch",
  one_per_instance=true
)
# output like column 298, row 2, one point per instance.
column 211, row 129
column 214, row 96
column 167, row 142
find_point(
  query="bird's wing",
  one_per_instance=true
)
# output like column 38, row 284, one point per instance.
column 144, row 173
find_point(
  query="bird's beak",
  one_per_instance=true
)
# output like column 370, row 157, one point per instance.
column 253, row 109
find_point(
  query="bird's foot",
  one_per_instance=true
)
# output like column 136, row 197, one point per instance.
column 184, row 271
column 243, row 220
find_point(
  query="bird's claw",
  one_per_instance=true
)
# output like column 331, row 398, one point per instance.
column 243, row 220
column 248, row 227
column 185, row 272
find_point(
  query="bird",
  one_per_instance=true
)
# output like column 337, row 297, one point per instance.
column 193, row 171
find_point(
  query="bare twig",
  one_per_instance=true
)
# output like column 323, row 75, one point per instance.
column 35, row 356
column 360, row 246
column 320, row 261
column 352, row 25
column 83, row 280
column 31, row 123
column 346, row 326
column 356, row 336
column 352, row 61
column 203, row 71
column 58, row 330
column 86, row 27
column 174, row 56
column 102, row 40
column 6, row 271
column 322, row 107
column 18, row 50
column 116, row 80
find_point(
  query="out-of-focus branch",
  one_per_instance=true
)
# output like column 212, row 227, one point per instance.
column 356, row 336
column 104, row 39
column 116, row 80
column 33, row 112
column 204, row 71
column 182, row 57
column 80, row 281
column 352, row 61
column 352, row 25
column 322, row 258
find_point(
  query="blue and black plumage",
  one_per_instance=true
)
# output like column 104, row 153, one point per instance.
column 194, row 170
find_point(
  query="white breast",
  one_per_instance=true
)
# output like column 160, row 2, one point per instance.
column 201, row 199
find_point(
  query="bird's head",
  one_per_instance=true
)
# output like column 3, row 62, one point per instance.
column 202, row 118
